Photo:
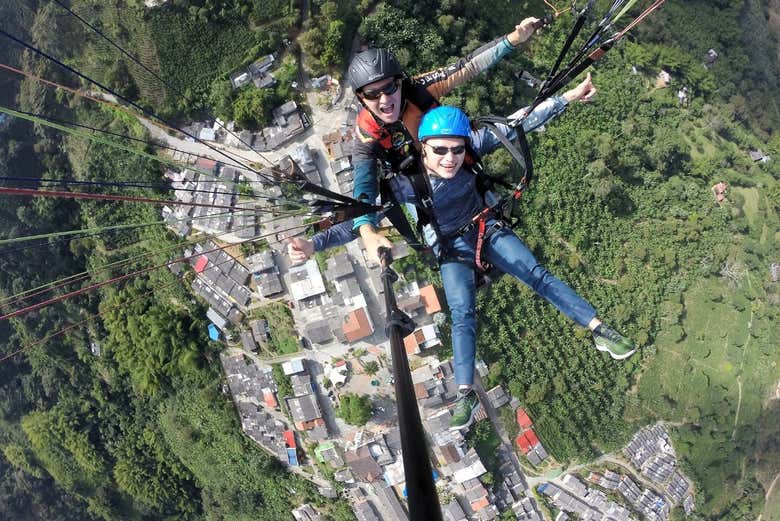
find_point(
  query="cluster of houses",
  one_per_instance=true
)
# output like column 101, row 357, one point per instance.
column 370, row 464
column 338, row 145
column 254, row 393
column 303, row 405
column 257, row 73
column 573, row 497
column 222, row 273
column 459, row 466
column 343, row 314
column 648, row 502
column 527, row 441
column 651, row 451
column 209, row 202
column 221, row 281
column 265, row 273
column 289, row 120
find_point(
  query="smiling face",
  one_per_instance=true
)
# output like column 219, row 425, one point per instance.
column 386, row 107
column 448, row 164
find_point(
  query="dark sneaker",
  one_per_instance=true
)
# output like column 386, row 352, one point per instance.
column 466, row 406
column 609, row 340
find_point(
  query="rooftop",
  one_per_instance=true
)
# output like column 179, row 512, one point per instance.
column 357, row 325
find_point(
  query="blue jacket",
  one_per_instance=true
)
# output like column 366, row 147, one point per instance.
column 455, row 200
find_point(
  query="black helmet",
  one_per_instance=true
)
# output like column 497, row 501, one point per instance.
column 373, row 65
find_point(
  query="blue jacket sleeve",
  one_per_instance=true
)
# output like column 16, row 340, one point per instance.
column 366, row 182
column 336, row 235
column 485, row 141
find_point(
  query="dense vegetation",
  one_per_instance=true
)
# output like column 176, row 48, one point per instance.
column 621, row 209
column 354, row 409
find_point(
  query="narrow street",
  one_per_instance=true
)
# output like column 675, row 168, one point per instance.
column 496, row 421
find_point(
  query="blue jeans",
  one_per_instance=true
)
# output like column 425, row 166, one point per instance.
column 505, row 251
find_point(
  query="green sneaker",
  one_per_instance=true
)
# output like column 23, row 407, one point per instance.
column 609, row 340
column 466, row 406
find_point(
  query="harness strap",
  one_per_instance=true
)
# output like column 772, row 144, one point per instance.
column 522, row 156
column 481, row 222
column 565, row 50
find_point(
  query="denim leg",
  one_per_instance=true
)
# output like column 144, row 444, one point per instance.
column 509, row 254
column 459, row 287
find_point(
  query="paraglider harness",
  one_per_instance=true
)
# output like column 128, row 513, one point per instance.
column 403, row 159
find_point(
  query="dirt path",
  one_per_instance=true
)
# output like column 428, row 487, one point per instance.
column 771, row 487
column 739, row 406
column 769, row 493
column 739, row 381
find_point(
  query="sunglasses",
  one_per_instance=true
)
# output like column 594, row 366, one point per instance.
column 442, row 151
column 388, row 90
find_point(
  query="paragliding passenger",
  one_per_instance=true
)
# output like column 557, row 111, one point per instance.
column 444, row 133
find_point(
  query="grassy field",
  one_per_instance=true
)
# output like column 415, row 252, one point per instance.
column 711, row 384
column 772, row 507
column 750, row 207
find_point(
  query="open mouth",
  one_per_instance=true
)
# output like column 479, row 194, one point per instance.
column 387, row 109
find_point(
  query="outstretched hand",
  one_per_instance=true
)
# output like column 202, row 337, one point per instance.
column 583, row 92
column 523, row 31
column 299, row 249
column 373, row 241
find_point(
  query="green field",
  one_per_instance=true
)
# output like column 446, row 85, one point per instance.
column 712, row 383
column 772, row 508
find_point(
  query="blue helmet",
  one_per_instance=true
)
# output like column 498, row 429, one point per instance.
column 444, row 122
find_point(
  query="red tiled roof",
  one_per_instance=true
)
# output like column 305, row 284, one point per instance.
column 270, row 399
column 531, row 436
column 204, row 163
column 523, row 420
column 430, row 298
column 357, row 325
column 200, row 264
column 289, row 438
column 522, row 443
column 479, row 504
column 411, row 345
column 420, row 391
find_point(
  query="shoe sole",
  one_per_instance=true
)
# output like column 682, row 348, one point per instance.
column 471, row 419
column 613, row 355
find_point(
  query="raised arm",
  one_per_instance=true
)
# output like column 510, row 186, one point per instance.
column 441, row 81
column 485, row 142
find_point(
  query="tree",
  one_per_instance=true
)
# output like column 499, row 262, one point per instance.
column 371, row 368
column 252, row 108
column 332, row 54
column 354, row 409
column 221, row 98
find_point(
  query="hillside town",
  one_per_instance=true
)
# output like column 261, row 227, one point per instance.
column 288, row 398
